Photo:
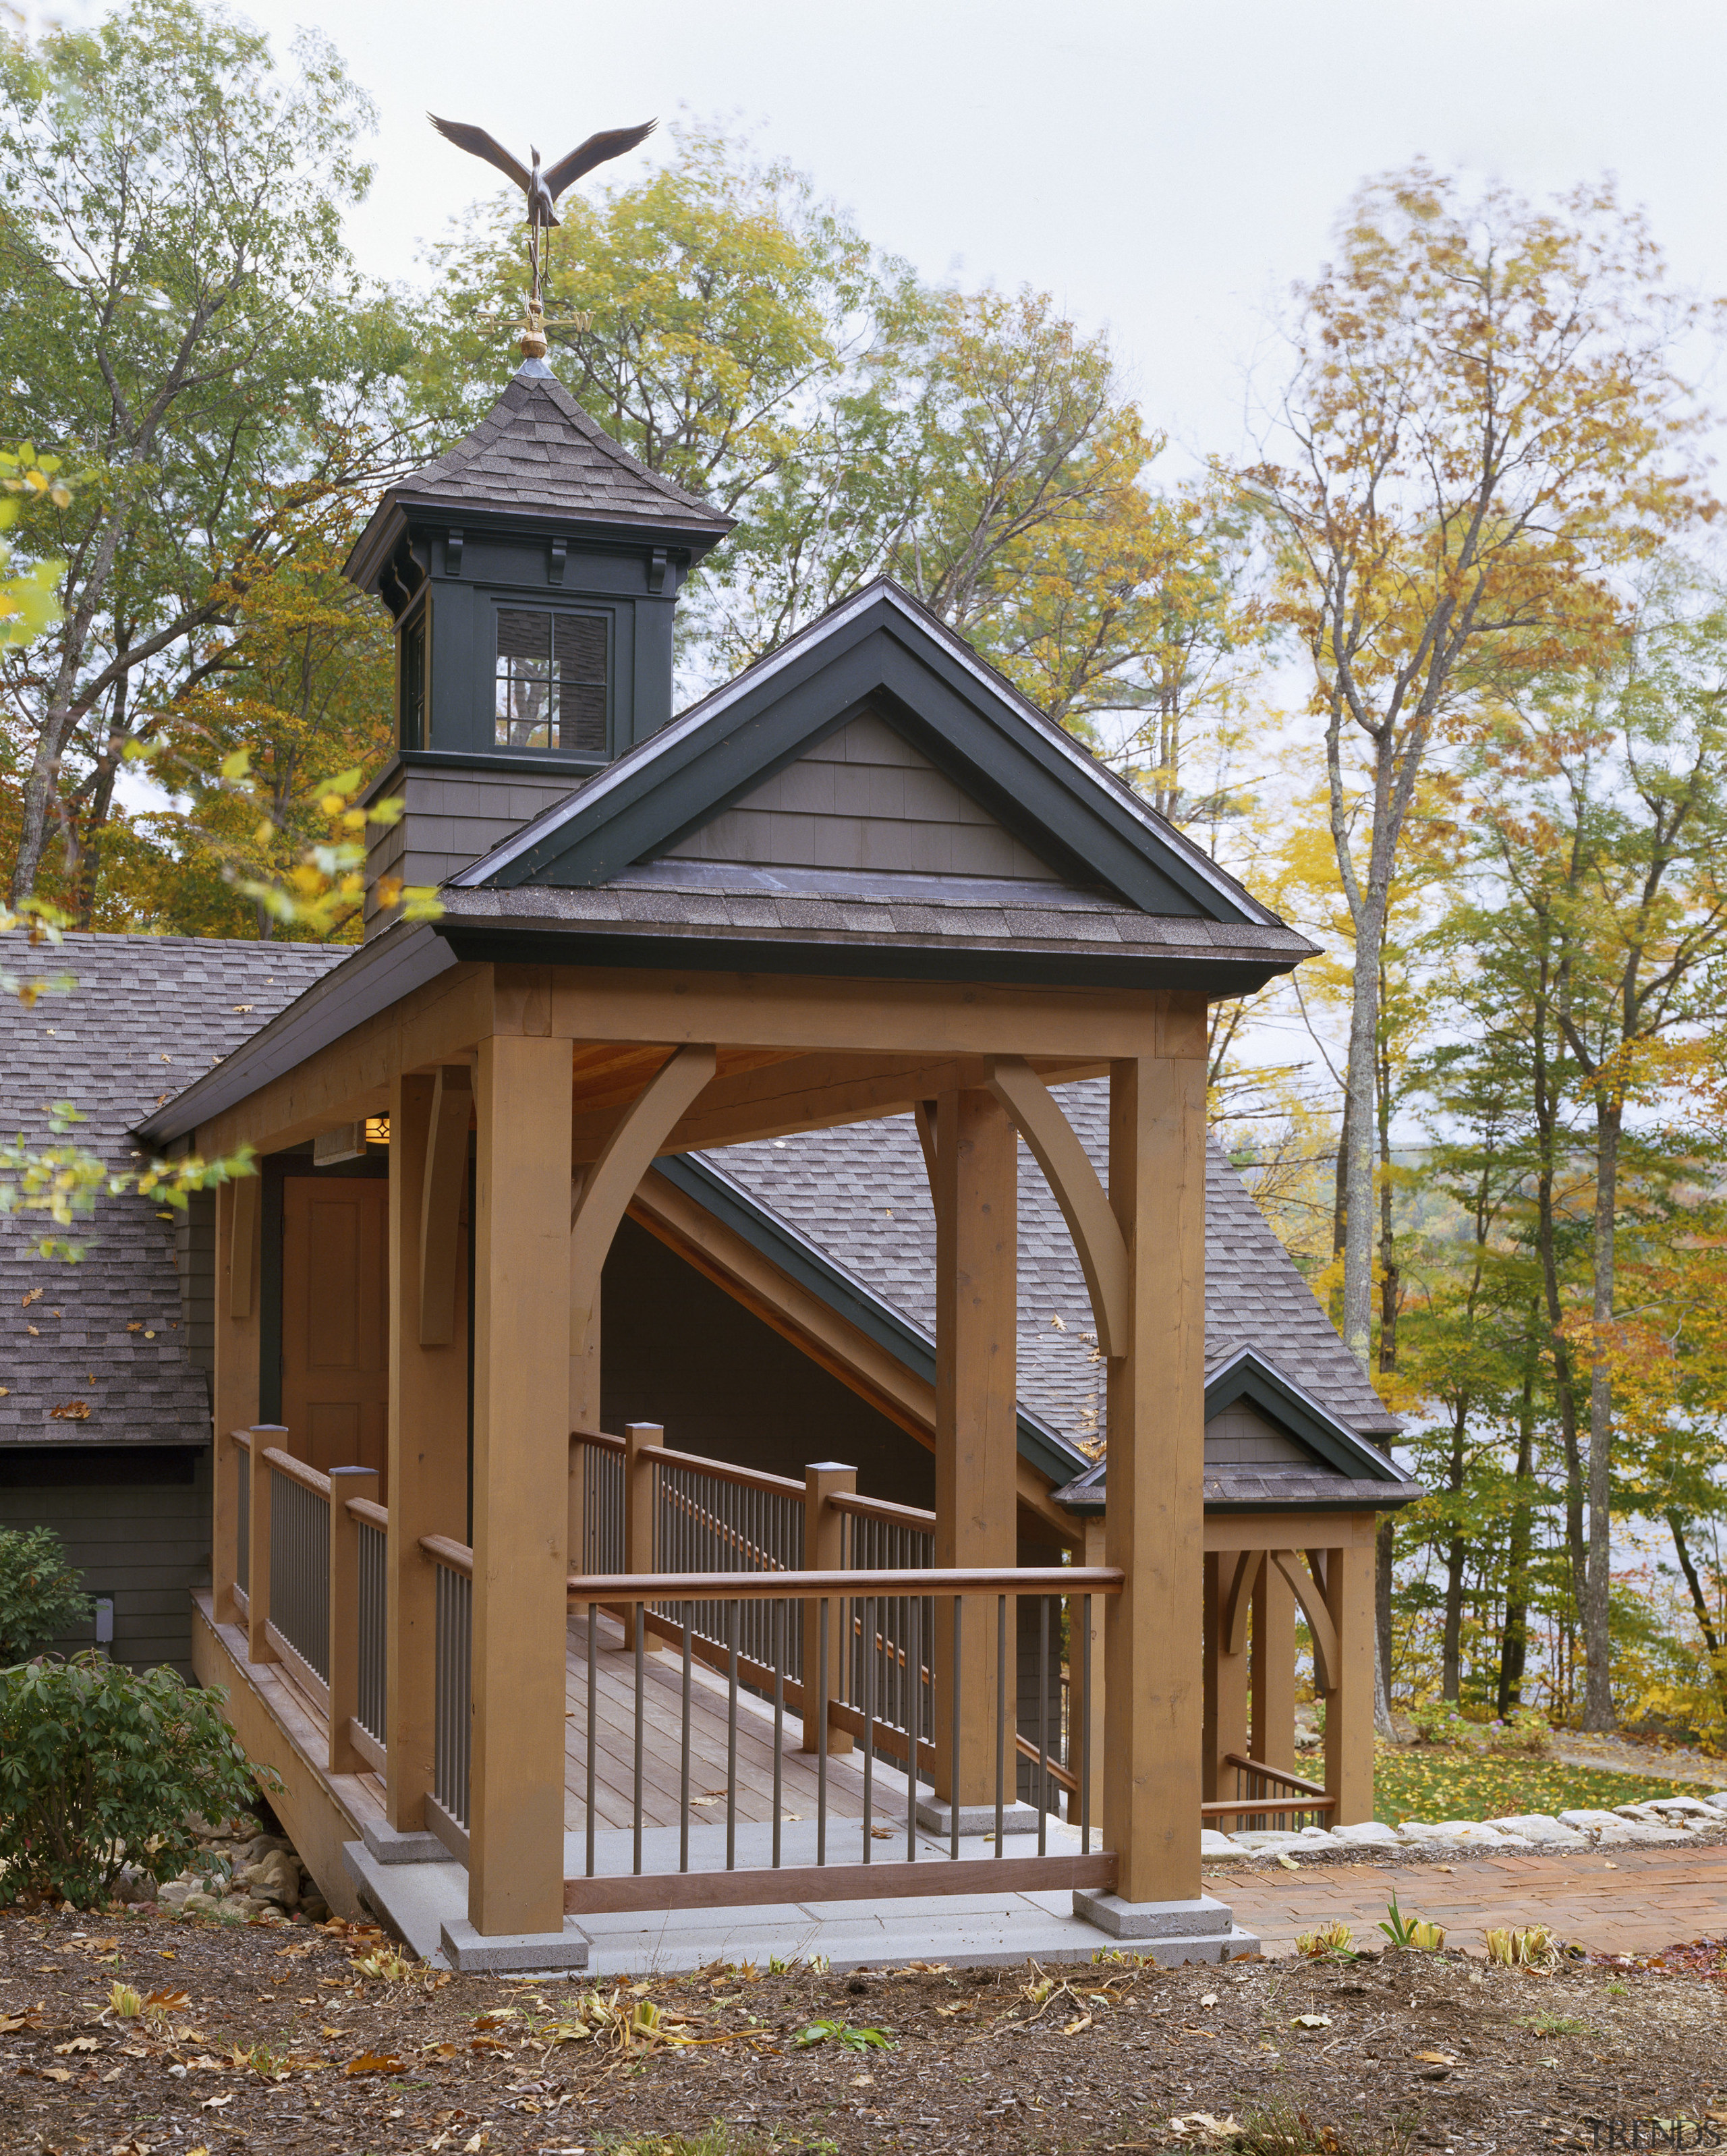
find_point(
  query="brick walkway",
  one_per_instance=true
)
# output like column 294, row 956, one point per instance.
column 1640, row 1900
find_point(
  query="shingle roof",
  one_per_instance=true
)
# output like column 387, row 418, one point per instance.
column 861, row 1194
column 538, row 449
column 148, row 1013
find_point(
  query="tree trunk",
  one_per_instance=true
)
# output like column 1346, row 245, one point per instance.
column 1564, row 1377
column 1452, row 1671
column 1700, row 1603
column 1390, row 1294
column 1385, row 1555
column 1598, row 1690
column 1514, row 1643
column 84, row 873
column 1340, row 1210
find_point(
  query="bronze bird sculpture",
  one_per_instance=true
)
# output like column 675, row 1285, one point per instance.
column 543, row 188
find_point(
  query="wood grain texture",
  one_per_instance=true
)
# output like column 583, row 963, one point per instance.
column 1226, row 1680
column 1085, row 1206
column 1310, row 1597
column 1273, row 1669
column 831, row 1882
column 444, row 1191
column 346, row 1482
column 335, row 1357
column 234, row 1403
column 1348, row 1706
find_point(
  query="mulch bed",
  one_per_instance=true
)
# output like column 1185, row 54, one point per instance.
column 276, row 2038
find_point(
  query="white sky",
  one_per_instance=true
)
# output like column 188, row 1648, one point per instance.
column 1166, row 169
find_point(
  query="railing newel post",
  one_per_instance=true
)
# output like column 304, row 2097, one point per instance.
column 264, row 1435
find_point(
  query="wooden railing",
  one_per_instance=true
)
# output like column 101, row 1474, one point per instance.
column 894, row 1756
column 1269, row 1798
column 452, row 1743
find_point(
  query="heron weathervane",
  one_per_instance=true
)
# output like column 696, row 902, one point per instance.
column 543, row 188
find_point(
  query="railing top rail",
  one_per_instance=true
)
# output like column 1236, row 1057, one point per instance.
column 880, row 1508
column 601, row 1439
column 457, row 1556
column 242, row 1438
column 807, row 1586
column 297, row 1470
column 374, row 1515
column 721, row 1470
column 1275, row 1774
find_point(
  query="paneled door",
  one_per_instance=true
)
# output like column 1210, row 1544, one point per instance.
column 336, row 1369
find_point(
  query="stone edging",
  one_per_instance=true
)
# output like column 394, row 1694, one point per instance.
column 1662, row 1819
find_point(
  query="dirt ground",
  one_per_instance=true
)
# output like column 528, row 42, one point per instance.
column 269, row 2038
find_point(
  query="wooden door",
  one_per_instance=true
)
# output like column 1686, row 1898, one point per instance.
column 335, row 1300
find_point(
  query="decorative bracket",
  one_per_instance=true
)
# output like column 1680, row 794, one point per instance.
column 1320, row 1628
column 1238, row 1601
column 555, row 572
column 656, row 569
column 453, row 553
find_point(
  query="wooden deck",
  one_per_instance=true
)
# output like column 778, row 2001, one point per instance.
column 662, row 1720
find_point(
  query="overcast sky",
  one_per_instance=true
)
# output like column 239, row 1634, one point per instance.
column 1166, row 169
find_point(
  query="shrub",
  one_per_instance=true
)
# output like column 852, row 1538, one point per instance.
column 100, row 1767
column 1527, row 1730
column 40, row 1596
column 1437, row 1721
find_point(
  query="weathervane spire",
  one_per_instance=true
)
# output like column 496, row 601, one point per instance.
column 541, row 188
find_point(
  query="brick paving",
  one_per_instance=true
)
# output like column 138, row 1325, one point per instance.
column 1635, row 1901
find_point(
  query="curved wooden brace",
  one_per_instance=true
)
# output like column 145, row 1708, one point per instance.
column 1320, row 1629
column 1085, row 1204
column 629, row 1153
column 1238, row 1600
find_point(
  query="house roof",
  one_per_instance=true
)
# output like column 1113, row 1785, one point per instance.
column 860, row 1194
column 110, row 1332
column 537, row 450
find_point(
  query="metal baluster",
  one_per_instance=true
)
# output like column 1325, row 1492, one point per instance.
column 732, row 1736
column 821, row 1740
column 1000, row 1713
column 953, row 1757
column 869, row 1708
column 640, row 1632
column 1043, row 1725
column 1085, row 1734
column 593, row 1724
column 683, row 1800
column 914, row 1620
column 780, row 1631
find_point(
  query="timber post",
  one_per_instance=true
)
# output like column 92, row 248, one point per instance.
column 1225, row 1696
column 977, row 1415
column 520, row 1481
column 1157, row 1419
column 1273, row 1670
column 426, row 1485
column 262, row 1483
column 1349, row 1589
column 234, row 1388
column 640, row 1438
column 825, row 1551
column 346, row 1482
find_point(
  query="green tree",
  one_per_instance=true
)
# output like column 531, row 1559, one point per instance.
column 179, row 321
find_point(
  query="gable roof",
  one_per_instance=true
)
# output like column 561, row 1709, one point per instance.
column 537, row 449
column 110, row 1332
column 860, row 1195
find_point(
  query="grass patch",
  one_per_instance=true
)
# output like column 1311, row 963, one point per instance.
column 1421, row 1781
column 1554, row 2025
column 721, row 2138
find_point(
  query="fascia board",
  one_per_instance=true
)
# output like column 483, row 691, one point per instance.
column 377, row 975
column 1040, row 1445
column 1248, row 1376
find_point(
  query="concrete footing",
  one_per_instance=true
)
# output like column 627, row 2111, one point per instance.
column 1171, row 1932
column 389, row 1846
column 514, row 1952
column 935, row 1815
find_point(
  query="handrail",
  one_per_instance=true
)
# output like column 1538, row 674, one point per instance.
column 722, row 1530
column 1275, row 1774
column 880, row 1508
column 297, row 1470
column 373, row 1514
column 612, row 1587
column 242, row 1438
column 721, row 1470
column 601, row 1439
column 456, row 1555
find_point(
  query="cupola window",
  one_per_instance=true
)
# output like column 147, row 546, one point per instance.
column 551, row 681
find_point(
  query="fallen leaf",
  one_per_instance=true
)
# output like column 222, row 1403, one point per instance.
column 76, row 2044
column 69, row 1410
column 1073, row 2028
column 31, row 1295
column 1436, row 2058
column 1288, row 1863
column 217, row 2103
column 374, row 2062
column 1208, row 2000
column 1311, row 2021
column 473, row 2147
column 56, row 2073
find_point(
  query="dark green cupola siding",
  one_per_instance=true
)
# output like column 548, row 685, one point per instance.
column 533, row 571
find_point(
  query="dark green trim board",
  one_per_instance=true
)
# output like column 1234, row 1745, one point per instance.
column 1248, row 1377
column 1039, row 1445
column 881, row 653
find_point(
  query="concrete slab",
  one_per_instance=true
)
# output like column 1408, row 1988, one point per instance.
column 414, row 1900
column 517, row 1954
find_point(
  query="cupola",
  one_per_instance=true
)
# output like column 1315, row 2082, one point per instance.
column 532, row 571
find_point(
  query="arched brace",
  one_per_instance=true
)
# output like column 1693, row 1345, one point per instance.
column 1085, row 1204
column 1320, row 1628
column 1238, row 1600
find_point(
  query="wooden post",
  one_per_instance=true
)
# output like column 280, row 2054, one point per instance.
column 258, row 1646
column 346, row 1482
column 1348, row 1705
column 1157, row 1422
column 977, row 1415
column 1273, row 1669
column 427, row 1481
column 639, row 1439
column 520, row 1481
column 1225, row 1682
column 235, row 1399
column 825, row 1551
